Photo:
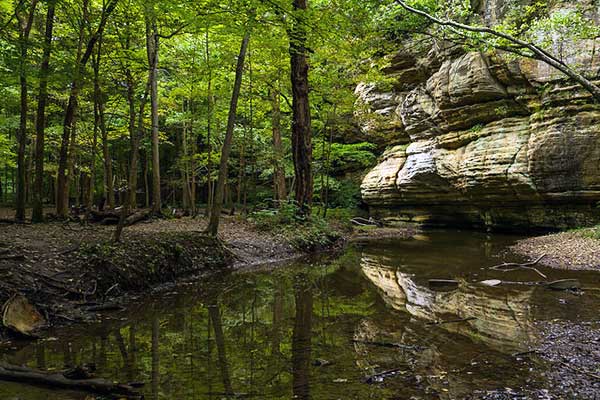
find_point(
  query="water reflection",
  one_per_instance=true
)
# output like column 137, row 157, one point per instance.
column 502, row 316
column 301, row 337
column 317, row 331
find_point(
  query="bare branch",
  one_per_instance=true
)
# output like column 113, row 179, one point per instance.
column 537, row 52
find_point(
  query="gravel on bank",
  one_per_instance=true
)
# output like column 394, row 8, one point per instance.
column 572, row 250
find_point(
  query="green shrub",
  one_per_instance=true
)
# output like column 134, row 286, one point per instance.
column 306, row 233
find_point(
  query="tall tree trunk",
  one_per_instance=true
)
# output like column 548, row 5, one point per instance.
column 242, row 169
column 40, row 122
column 213, row 225
column 25, row 25
column 97, row 100
column 210, row 193
column 278, row 171
column 190, row 165
column 62, row 190
column 132, row 181
column 185, row 175
column 152, row 44
column 301, row 129
column 109, row 192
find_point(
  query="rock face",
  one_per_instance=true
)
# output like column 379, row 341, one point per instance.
column 483, row 140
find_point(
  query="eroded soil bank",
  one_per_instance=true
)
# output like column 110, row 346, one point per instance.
column 71, row 271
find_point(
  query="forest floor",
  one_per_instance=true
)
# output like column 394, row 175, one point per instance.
column 574, row 250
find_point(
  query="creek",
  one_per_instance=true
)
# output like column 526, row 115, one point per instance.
column 362, row 325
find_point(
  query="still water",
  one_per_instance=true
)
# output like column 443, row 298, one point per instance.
column 364, row 325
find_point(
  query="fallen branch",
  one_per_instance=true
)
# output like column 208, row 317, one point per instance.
column 382, row 375
column 30, row 376
column 507, row 267
column 364, row 222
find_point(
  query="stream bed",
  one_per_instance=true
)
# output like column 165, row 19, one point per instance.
column 363, row 325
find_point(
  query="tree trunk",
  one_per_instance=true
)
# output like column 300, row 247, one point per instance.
column 278, row 154
column 97, row 101
column 215, row 317
column 40, row 122
column 135, row 137
column 24, row 31
column 301, row 124
column 152, row 44
column 213, row 225
column 210, row 194
column 132, row 181
column 109, row 193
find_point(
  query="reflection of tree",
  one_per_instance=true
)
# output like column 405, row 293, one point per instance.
column 40, row 355
column 215, row 317
column 277, row 320
column 132, row 353
column 155, row 358
column 301, row 339
column 122, row 347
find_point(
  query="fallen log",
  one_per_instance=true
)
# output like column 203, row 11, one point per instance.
column 99, row 216
column 111, row 217
column 137, row 217
column 101, row 386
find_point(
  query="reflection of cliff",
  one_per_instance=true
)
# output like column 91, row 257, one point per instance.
column 503, row 321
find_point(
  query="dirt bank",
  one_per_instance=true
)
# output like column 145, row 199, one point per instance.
column 573, row 250
column 71, row 271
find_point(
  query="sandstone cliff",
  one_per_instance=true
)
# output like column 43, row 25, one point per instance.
column 483, row 139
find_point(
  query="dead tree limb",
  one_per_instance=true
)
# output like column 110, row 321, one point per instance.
column 101, row 386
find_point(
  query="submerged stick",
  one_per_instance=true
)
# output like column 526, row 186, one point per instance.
column 507, row 267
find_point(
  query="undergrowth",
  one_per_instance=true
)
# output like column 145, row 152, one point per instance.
column 592, row 232
column 304, row 232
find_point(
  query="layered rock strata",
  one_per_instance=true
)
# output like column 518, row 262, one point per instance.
column 483, row 140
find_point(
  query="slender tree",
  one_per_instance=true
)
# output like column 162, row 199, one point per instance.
column 278, row 152
column 213, row 225
column 24, row 16
column 152, row 43
column 40, row 122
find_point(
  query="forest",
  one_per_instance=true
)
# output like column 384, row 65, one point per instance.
column 307, row 199
column 146, row 104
